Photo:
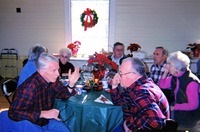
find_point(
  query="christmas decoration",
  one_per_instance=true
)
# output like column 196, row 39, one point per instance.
column 89, row 18
column 74, row 47
column 133, row 47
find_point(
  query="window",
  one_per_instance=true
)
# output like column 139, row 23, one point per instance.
column 95, row 38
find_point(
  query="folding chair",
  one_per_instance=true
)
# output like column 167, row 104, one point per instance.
column 8, row 87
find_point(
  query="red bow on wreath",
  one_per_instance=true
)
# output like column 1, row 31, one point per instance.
column 88, row 14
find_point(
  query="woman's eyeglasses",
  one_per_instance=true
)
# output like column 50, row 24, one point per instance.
column 64, row 56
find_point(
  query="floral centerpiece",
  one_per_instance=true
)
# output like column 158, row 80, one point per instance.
column 101, row 63
column 74, row 47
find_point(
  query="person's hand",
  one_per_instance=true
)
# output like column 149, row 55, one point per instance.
column 115, row 81
column 73, row 77
column 166, row 67
column 50, row 114
column 126, row 129
column 166, row 70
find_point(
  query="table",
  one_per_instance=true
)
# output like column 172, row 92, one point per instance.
column 90, row 116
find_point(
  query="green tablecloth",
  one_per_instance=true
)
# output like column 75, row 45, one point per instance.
column 90, row 116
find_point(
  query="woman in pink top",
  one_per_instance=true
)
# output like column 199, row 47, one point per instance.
column 185, row 86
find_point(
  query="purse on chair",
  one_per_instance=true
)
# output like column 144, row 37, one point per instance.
column 8, row 87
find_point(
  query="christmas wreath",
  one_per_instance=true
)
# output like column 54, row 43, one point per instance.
column 89, row 18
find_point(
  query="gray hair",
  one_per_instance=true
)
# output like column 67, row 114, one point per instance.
column 164, row 51
column 35, row 51
column 118, row 44
column 44, row 59
column 181, row 61
column 137, row 64
column 67, row 50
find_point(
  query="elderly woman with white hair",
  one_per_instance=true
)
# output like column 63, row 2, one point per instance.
column 185, row 87
column 65, row 65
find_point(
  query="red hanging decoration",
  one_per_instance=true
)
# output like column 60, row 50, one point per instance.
column 89, row 18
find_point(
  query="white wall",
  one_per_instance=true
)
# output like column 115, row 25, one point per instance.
column 40, row 21
column 169, row 23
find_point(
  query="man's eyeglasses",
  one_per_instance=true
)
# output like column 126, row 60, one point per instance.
column 121, row 74
column 64, row 56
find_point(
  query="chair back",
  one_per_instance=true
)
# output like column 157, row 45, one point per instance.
column 171, row 126
column 8, row 87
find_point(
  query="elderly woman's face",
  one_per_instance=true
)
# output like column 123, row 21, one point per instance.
column 172, row 69
column 64, row 58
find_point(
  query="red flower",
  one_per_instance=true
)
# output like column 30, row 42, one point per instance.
column 103, row 61
column 74, row 47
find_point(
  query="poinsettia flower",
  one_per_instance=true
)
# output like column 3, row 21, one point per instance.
column 102, row 60
column 71, row 46
column 74, row 47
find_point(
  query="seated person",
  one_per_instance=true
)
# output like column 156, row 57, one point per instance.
column 29, row 68
column 185, row 87
column 144, row 105
column 159, row 56
column 32, row 106
column 64, row 57
column 118, row 53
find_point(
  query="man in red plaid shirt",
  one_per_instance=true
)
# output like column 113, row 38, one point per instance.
column 32, row 106
column 144, row 105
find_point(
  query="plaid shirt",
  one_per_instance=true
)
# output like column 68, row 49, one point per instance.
column 35, row 95
column 156, row 72
column 144, row 105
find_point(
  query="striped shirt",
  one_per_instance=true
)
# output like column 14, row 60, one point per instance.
column 144, row 105
column 35, row 95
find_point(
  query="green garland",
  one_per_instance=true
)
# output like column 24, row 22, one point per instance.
column 94, row 18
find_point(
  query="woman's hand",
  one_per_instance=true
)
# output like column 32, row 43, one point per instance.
column 166, row 70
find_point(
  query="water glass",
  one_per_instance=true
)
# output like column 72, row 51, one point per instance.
column 79, row 89
column 64, row 82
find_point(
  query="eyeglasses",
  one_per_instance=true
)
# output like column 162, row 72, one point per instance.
column 121, row 74
column 64, row 56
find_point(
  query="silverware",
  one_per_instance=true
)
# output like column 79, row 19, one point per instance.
column 85, row 97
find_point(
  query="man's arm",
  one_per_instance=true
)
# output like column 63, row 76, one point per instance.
column 21, row 108
column 50, row 114
column 149, row 114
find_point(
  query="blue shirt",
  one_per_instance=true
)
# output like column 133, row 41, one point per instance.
column 28, row 69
